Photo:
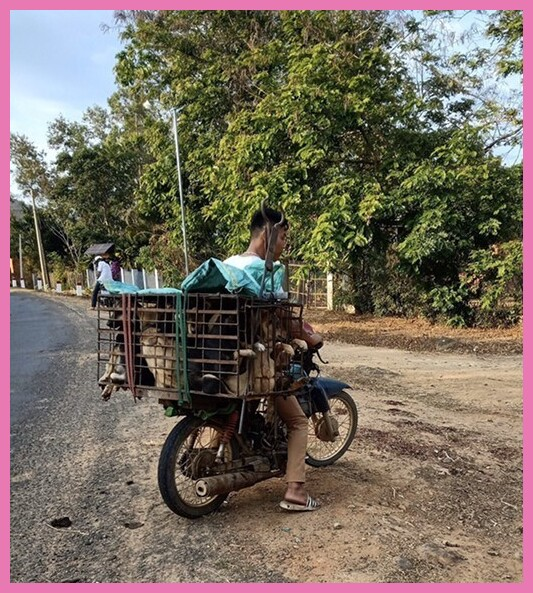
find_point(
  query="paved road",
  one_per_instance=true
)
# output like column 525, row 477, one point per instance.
column 38, row 331
column 434, row 426
column 75, row 456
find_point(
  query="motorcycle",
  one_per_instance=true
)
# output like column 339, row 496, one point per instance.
column 167, row 345
column 207, row 456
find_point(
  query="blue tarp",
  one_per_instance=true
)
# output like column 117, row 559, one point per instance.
column 116, row 287
column 215, row 276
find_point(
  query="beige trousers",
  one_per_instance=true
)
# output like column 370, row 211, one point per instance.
column 291, row 413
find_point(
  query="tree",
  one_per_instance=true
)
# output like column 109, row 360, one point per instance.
column 379, row 135
column 94, row 180
column 32, row 177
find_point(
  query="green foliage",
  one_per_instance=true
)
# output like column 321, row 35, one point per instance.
column 448, row 303
column 494, row 276
column 506, row 27
column 372, row 130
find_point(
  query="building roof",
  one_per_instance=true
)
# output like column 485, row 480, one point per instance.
column 100, row 248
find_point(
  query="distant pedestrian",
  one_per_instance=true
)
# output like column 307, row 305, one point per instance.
column 116, row 267
column 102, row 271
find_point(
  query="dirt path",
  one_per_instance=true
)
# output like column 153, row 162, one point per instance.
column 431, row 488
column 430, row 491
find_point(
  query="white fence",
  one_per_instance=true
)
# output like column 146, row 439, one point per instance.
column 315, row 292
column 140, row 278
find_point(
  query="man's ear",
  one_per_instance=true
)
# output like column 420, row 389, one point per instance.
column 264, row 237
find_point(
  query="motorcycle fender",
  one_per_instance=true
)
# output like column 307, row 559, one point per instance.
column 331, row 386
column 323, row 389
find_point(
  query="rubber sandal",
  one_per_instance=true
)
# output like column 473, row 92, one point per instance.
column 310, row 505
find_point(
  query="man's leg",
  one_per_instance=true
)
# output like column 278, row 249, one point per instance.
column 96, row 290
column 292, row 414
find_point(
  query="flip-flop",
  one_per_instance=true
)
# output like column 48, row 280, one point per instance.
column 310, row 505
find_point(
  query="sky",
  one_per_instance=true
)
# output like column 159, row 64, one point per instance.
column 61, row 63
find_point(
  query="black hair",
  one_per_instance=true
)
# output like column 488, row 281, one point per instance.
column 258, row 220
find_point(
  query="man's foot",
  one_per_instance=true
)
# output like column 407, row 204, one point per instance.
column 310, row 505
column 297, row 498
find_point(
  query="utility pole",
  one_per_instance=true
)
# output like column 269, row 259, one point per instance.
column 44, row 271
column 175, row 123
column 21, row 272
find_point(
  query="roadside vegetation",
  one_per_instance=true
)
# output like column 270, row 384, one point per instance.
column 392, row 144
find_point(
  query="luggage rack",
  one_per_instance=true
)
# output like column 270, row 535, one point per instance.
column 183, row 347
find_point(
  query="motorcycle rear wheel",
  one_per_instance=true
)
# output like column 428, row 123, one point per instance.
column 344, row 410
column 186, row 456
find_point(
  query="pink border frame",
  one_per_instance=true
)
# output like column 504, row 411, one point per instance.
column 5, row 7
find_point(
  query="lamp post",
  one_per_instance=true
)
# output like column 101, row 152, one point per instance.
column 21, row 272
column 175, row 111
column 42, row 260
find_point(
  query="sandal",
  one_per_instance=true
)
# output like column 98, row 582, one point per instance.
column 310, row 505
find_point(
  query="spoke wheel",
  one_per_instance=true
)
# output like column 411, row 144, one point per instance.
column 188, row 455
column 344, row 418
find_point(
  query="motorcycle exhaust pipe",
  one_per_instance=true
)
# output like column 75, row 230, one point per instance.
column 225, row 483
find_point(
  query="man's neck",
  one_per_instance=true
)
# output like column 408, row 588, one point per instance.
column 255, row 248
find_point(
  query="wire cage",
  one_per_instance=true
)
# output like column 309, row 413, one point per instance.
column 186, row 346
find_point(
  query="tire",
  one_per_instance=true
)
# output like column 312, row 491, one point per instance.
column 344, row 410
column 177, row 472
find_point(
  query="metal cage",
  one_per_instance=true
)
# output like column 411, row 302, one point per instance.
column 185, row 346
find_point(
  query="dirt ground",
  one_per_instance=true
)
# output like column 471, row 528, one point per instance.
column 430, row 490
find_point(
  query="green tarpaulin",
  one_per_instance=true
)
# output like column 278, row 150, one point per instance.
column 216, row 276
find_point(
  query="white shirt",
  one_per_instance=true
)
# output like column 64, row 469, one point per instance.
column 104, row 271
column 241, row 261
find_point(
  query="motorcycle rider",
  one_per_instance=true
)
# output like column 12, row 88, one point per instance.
column 296, row 497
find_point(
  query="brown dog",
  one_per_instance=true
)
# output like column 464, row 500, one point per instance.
column 157, row 349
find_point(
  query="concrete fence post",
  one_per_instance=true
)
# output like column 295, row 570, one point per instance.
column 329, row 296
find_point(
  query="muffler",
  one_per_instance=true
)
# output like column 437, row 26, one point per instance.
column 225, row 483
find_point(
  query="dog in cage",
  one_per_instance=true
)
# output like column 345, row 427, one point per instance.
column 274, row 348
column 157, row 342
column 153, row 348
column 114, row 375
column 216, row 353
column 259, row 350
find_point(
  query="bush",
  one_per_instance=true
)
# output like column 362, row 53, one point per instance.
column 494, row 276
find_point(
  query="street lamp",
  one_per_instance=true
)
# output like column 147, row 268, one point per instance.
column 21, row 271
column 42, row 259
column 175, row 112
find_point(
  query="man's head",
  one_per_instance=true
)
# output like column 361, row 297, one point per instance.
column 260, row 228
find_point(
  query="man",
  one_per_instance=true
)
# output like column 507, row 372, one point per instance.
column 288, row 408
column 102, row 271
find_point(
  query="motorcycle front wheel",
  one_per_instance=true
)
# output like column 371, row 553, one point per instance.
column 187, row 455
column 344, row 413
